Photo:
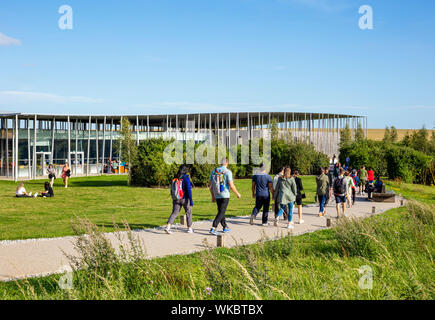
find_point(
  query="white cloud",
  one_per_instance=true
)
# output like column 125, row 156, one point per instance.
column 20, row 97
column 8, row 41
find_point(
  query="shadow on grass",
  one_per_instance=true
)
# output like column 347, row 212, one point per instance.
column 98, row 183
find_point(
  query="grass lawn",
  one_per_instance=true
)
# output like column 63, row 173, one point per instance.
column 398, row 246
column 105, row 200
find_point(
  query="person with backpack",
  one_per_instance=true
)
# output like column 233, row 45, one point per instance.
column 181, row 193
column 287, row 191
column 362, row 175
column 261, row 189
column 339, row 189
column 221, row 181
column 323, row 187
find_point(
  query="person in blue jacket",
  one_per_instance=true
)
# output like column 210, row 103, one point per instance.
column 185, row 201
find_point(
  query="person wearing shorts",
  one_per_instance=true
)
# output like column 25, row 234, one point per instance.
column 299, row 194
column 223, row 198
column 339, row 187
column 362, row 175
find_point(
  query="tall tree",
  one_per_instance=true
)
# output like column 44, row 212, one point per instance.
column 393, row 134
column 359, row 134
column 345, row 136
column 127, row 146
column 387, row 135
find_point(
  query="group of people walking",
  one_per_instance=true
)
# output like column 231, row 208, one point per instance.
column 285, row 190
column 334, row 183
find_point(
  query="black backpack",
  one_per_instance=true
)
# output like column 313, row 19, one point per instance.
column 339, row 185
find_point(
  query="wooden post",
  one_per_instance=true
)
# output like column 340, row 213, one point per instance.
column 328, row 221
column 373, row 209
column 221, row 240
column 183, row 220
column 401, row 202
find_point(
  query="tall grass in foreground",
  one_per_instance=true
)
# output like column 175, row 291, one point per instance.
column 399, row 247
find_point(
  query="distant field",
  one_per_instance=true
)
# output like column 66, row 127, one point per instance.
column 378, row 134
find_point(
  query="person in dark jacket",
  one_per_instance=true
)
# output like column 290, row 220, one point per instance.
column 300, row 194
column 48, row 192
column 186, row 202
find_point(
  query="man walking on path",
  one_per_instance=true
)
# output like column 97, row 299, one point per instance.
column 362, row 175
column 221, row 181
column 322, row 181
column 340, row 187
column 261, row 190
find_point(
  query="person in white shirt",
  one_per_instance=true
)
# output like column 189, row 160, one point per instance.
column 22, row 193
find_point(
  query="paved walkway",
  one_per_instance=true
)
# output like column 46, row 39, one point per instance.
column 39, row 257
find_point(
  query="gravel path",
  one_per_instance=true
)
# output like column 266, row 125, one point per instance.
column 38, row 257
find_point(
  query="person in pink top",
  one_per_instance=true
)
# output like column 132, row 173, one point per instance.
column 370, row 175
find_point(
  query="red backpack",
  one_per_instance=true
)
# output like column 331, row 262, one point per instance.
column 177, row 189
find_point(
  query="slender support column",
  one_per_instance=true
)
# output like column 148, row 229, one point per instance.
column 217, row 128
column 111, row 139
column 89, row 146
column 103, row 155
column 210, row 129
column 7, row 147
column 53, row 130
column 29, row 166
column 77, row 145
column 120, row 146
column 148, row 126
column 97, row 146
column 137, row 128
column 69, row 141
column 16, row 126
column 237, row 128
column 35, row 131
column 249, row 127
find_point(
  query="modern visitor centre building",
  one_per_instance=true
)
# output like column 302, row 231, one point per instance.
column 30, row 142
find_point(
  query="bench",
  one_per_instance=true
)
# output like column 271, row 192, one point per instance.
column 384, row 196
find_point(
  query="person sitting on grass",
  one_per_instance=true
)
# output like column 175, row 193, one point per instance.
column 22, row 193
column 48, row 192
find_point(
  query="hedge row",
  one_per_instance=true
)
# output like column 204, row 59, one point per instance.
column 150, row 169
column 392, row 160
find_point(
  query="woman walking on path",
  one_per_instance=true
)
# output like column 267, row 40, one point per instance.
column 66, row 173
column 350, row 185
column 181, row 192
column 323, row 189
column 51, row 174
column 275, row 193
column 287, row 191
column 300, row 194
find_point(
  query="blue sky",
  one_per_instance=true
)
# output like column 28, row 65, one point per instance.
column 179, row 56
